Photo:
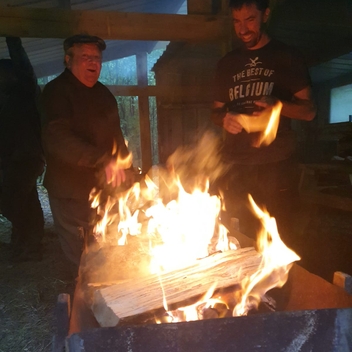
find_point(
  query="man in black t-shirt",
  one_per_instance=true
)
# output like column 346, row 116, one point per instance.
column 251, row 79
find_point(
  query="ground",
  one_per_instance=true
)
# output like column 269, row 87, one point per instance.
column 28, row 291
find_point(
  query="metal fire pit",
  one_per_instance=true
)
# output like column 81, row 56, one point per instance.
column 311, row 315
column 314, row 330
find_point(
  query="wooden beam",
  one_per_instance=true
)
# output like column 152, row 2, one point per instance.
column 178, row 93
column 199, row 6
column 61, row 23
column 143, row 107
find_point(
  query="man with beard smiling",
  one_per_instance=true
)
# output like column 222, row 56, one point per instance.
column 250, row 79
column 81, row 130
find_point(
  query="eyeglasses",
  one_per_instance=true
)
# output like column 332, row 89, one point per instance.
column 92, row 58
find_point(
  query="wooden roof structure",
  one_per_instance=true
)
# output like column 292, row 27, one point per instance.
column 323, row 30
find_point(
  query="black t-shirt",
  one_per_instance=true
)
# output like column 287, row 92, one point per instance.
column 244, row 76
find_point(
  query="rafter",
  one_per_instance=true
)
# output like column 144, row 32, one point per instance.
column 61, row 23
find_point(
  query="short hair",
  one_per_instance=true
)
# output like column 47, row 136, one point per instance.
column 261, row 5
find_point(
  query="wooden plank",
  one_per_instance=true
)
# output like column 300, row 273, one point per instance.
column 199, row 6
column 144, row 120
column 61, row 23
column 178, row 93
column 134, row 297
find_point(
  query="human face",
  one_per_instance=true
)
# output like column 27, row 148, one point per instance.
column 248, row 22
column 85, row 63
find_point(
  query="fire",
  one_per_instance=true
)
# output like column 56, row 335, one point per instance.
column 182, row 226
column 266, row 123
column 276, row 262
column 180, row 232
column 185, row 226
column 196, row 311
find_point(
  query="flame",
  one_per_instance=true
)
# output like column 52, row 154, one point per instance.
column 121, row 162
column 194, row 311
column 266, row 123
column 103, row 212
column 183, row 226
column 276, row 262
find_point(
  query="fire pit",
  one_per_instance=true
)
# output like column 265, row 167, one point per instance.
column 314, row 330
column 117, row 312
column 312, row 315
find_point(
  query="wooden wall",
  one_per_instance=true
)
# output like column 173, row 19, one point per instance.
column 184, row 114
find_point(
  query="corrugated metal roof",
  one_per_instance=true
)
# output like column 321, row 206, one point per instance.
column 46, row 55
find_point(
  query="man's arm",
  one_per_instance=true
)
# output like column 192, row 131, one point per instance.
column 302, row 106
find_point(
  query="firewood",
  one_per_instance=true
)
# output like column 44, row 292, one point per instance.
column 133, row 297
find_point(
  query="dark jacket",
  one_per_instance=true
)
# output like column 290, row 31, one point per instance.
column 19, row 116
column 80, row 127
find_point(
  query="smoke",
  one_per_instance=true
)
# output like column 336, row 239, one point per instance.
column 198, row 163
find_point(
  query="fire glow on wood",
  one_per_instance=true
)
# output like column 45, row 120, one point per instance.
column 189, row 249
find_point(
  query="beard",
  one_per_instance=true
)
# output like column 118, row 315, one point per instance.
column 254, row 40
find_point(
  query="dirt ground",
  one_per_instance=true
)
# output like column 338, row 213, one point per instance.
column 28, row 291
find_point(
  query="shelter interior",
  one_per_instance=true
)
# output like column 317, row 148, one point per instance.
column 192, row 35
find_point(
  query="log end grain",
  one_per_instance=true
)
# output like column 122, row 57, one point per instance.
column 102, row 312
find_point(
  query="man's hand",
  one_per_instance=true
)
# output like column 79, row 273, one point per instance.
column 232, row 124
column 114, row 175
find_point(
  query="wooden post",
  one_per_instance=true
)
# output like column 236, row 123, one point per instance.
column 62, row 313
column 144, row 121
column 199, row 6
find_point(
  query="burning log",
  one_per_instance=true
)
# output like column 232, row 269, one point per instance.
column 133, row 297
